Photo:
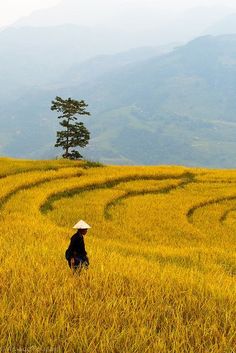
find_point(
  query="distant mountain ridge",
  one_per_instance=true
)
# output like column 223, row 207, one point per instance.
column 177, row 108
column 138, row 24
column 37, row 56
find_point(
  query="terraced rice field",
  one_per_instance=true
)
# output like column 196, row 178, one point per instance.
column 162, row 246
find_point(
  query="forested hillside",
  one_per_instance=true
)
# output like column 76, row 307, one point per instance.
column 178, row 108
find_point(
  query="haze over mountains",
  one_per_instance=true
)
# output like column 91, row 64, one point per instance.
column 138, row 24
column 223, row 26
column 155, row 99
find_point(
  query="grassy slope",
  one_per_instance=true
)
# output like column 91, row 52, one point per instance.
column 162, row 252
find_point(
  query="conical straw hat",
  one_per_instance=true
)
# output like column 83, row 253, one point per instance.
column 81, row 225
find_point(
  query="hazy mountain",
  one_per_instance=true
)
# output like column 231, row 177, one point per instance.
column 123, row 14
column 36, row 56
column 138, row 23
column 194, row 22
column 129, row 24
column 95, row 67
column 178, row 108
column 28, row 105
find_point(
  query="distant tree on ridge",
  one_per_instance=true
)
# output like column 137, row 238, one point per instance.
column 74, row 134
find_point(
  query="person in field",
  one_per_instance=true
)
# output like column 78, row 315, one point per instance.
column 76, row 254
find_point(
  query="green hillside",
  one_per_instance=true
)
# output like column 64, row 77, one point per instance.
column 178, row 108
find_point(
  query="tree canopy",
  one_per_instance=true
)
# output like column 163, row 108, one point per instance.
column 74, row 134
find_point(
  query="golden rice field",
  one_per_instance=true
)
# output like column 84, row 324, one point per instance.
column 162, row 275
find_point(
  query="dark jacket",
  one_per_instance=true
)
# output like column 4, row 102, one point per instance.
column 76, row 247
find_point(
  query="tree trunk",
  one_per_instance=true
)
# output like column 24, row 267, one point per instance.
column 67, row 140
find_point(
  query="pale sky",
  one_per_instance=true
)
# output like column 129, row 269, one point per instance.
column 12, row 10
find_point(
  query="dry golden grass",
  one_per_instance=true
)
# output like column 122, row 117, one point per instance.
column 162, row 253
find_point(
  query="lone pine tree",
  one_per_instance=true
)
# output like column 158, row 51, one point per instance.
column 75, row 133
